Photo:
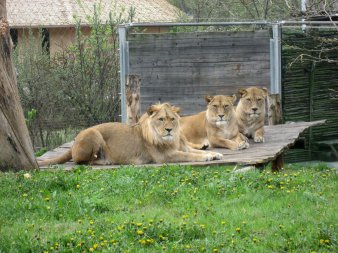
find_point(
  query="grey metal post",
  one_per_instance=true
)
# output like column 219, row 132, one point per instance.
column 276, row 61
column 124, row 64
column 272, row 68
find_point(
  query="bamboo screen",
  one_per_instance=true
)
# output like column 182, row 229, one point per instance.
column 310, row 86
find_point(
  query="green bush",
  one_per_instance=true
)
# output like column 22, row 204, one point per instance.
column 72, row 89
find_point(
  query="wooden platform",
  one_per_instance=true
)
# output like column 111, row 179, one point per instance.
column 278, row 138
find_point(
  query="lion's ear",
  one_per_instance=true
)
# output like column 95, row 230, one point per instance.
column 265, row 91
column 208, row 98
column 234, row 98
column 243, row 92
column 152, row 109
column 176, row 109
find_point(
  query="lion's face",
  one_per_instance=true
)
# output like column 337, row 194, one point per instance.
column 163, row 120
column 253, row 101
column 220, row 109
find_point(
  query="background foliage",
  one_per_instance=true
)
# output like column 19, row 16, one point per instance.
column 75, row 88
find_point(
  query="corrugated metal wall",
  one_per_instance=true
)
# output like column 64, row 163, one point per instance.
column 182, row 68
column 307, row 83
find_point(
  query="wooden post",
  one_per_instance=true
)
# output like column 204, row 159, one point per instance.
column 16, row 147
column 133, row 85
column 275, row 118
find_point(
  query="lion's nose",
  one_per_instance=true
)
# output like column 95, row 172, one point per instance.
column 221, row 116
column 168, row 130
column 255, row 109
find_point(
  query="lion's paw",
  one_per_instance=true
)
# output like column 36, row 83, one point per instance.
column 259, row 139
column 205, row 146
column 209, row 157
column 217, row 156
column 243, row 145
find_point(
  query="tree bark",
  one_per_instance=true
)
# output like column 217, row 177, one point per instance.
column 133, row 86
column 16, row 151
column 274, row 109
column 275, row 118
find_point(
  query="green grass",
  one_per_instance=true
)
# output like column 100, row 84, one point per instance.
column 169, row 209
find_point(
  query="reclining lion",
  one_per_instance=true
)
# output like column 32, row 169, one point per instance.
column 217, row 126
column 156, row 138
column 250, row 112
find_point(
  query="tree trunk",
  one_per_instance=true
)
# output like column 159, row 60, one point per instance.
column 274, row 109
column 16, row 148
column 133, row 85
column 275, row 118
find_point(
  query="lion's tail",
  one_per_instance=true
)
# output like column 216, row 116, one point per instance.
column 57, row 160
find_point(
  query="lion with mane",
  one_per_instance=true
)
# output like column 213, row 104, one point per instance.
column 156, row 138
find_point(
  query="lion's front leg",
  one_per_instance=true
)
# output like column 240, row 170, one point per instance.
column 242, row 141
column 217, row 156
column 224, row 143
column 259, row 135
column 198, row 146
column 182, row 156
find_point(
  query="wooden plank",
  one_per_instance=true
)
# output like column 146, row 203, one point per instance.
column 198, row 35
column 182, row 68
column 278, row 138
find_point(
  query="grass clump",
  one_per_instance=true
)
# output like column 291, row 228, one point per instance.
column 169, row 209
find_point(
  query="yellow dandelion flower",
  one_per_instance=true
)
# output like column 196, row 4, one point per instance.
column 91, row 249
column 215, row 250
column 327, row 241
column 139, row 232
column 95, row 246
column 139, row 224
column 78, row 186
column 27, row 175
column 202, row 226
column 238, row 230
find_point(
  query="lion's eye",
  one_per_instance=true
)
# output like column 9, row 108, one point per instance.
column 215, row 106
column 248, row 99
column 172, row 119
column 226, row 106
column 259, row 99
column 161, row 119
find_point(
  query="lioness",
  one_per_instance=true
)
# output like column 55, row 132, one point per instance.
column 156, row 138
column 217, row 126
column 250, row 112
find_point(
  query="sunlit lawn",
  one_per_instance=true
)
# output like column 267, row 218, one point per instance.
column 170, row 209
